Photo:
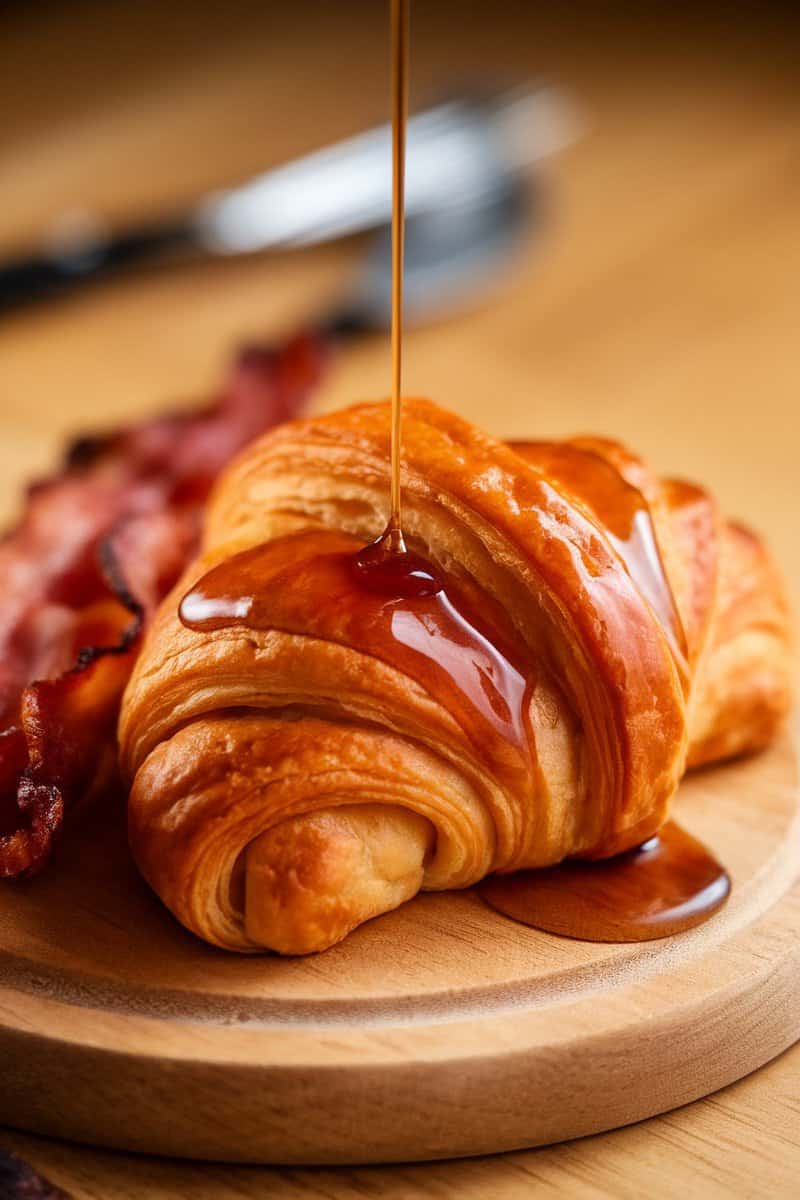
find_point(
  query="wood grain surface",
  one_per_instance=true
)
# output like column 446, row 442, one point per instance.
column 432, row 1032
column 658, row 303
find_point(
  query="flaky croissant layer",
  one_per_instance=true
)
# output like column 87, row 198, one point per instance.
column 302, row 770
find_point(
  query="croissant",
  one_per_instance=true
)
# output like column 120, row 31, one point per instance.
column 324, row 753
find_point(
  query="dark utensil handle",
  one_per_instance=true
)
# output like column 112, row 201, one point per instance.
column 84, row 259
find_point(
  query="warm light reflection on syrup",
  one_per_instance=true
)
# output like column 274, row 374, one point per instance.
column 442, row 634
column 623, row 513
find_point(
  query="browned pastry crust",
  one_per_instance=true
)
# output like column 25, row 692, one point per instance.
column 288, row 784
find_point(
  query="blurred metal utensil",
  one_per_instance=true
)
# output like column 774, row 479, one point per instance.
column 451, row 255
column 459, row 150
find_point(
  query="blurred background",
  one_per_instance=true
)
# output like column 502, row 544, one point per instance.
column 654, row 296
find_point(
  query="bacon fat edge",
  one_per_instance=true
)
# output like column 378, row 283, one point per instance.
column 97, row 546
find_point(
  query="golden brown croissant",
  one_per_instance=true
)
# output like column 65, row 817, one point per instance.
column 316, row 759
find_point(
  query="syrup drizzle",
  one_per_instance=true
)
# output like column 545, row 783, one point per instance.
column 388, row 557
column 624, row 514
column 388, row 601
column 441, row 634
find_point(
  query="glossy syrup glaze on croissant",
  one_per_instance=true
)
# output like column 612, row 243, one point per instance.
column 295, row 775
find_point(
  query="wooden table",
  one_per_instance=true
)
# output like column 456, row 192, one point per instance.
column 658, row 303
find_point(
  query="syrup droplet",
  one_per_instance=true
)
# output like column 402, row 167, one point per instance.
column 388, row 567
column 669, row 884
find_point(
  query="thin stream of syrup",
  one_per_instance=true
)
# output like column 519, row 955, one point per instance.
column 394, row 532
column 451, row 639
column 386, row 564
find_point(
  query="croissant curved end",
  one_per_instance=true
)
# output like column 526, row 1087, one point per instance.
column 293, row 778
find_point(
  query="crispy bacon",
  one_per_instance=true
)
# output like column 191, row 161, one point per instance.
column 97, row 547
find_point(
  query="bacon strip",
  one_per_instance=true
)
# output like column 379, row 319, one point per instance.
column 98, row 545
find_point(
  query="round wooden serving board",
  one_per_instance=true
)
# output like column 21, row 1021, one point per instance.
column 441, row 1029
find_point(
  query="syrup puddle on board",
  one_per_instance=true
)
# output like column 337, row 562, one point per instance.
column 668, row 885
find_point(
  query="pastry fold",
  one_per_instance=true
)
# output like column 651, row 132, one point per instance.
column 294, row 778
